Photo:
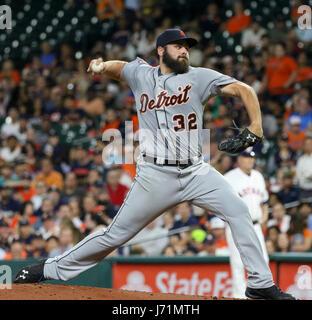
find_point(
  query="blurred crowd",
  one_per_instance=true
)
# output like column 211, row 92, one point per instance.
column 55, row 188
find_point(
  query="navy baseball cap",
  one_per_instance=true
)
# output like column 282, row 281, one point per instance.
column 248, row 153
column 172, row 35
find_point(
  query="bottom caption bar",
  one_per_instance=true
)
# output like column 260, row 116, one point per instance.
column 156, row 310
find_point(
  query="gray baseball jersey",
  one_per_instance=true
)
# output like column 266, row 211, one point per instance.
column 170, row 108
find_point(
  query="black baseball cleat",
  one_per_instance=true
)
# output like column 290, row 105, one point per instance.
column 31, row 274
column 271, row 293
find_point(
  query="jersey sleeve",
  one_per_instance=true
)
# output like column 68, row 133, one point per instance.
column 209, row 81
column 131, row 70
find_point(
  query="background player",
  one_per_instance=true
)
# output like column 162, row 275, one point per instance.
column 250, row 186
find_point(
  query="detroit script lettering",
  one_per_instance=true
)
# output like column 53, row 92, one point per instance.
column 163, row 99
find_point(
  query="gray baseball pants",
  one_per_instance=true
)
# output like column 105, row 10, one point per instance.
column 155, row 189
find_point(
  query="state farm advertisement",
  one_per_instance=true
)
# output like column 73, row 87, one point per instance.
column 194, row 279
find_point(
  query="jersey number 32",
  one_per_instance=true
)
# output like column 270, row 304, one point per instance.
column 182, row 122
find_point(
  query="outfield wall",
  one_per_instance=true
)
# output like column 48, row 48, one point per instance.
column 186, row 275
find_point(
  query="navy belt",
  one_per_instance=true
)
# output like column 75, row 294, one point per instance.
column 171, row 163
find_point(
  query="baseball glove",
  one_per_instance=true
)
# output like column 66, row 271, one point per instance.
column 240, row 142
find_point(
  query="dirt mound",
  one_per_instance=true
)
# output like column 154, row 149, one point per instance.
column 68, row 292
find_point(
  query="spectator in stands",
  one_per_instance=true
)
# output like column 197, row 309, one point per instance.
column 117, row 192
column 296, row 136
column 5, row 233
column 304, row 69
column 305, row 210
column 25, row 231
column 284, row 157
column 109, row 9
column 272, row 233
column 152, row 247
column 210, row 20
column 40, row 194
column 184, row 216
column 282, row 242
column 217, row 227
column 270, row 247
column 251, row 36
column 92, row 221
column 300, row 234
column 279, row 218
column 88, row 204
column 51, row 243
column 48, row 226
column 169, row 251
column 302, row 109
column 82, row 163
column 8, row 71
column 16, row 252
column 279, row 31
column 239, row 21
column 288, row 192
column 304, row 170
column 50, row 176
column 12, row 150
column 48, row 58
column 9, row 207
column 12, row 127
column 71, row 188
column 167, row 220
column 28, row 212
column 281, row 72
column 65, row 242
column 37, row 247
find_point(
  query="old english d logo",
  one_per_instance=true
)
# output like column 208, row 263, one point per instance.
column 182, row 33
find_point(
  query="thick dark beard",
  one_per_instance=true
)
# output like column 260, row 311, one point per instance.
column 177, row 66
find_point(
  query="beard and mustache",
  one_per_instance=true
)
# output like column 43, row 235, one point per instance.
column 176, row 65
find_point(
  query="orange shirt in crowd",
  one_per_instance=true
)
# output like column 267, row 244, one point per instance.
column 296, row 142
column 113, row 125
column 304, row 73
column 278, row 71
column 238, row 23
column 8, row 255
column 52, row 179
column 105, row 11
column 26, row 194
column 14, row 75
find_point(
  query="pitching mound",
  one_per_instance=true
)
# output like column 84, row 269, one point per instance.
column 68, row 292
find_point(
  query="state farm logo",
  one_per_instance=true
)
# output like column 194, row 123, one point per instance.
column 216, row 281
column 136, row 281
column 302, row 286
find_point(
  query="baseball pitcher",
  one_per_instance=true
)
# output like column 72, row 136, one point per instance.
column 250, row 186
column 170, row 102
